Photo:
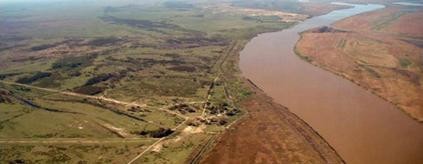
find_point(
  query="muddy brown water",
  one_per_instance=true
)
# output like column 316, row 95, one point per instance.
column 361, row 127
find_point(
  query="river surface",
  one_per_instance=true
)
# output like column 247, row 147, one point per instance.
column 407, row 3
column 362, row 128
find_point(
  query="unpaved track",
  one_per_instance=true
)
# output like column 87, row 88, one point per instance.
column 146, row 150
column 270, row 134
column 94, row 141
column 72, row 94
column 110, row 100
column 73, row 140
column 154, row 144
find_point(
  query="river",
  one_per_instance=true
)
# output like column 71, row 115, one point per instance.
column 360, row 126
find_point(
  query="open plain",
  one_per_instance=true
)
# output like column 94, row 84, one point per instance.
column 106, row 81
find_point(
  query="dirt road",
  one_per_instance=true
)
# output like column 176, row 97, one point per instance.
column 110, row 100
column 73, row 140
column 270, row 134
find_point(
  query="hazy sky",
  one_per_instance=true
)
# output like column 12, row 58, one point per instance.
column 134, row 1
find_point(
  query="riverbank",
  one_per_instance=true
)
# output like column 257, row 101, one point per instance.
column 355, row 122
column 270, row 132
column 381, row 55
column 267, row 131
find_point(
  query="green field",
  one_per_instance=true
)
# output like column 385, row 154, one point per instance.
column 82, row 77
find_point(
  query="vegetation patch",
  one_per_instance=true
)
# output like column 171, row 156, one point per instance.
column 89, row 90
column 183, row 68
column 404, row 62
column 142, row 24
column 410, row 76
column 98, row 79
column 183, row 108
column 193, row 42
column 386, row 20
column 108, row 41
column 35, row 77
column 415, row 41
column 42, row 47
column 3, row 76
column 326, row 29
column 70, row 62
column 159, row 133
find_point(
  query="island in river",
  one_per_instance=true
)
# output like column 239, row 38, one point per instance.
column 355, row 122
column 380, row 51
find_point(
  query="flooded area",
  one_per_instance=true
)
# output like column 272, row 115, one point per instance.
column 361, row 127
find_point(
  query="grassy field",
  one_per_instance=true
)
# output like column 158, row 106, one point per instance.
column 117, row 78
column 72, row 152
column 160, row 46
